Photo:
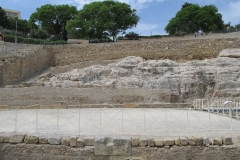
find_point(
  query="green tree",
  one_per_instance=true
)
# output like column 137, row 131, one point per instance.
column 104, row 19
column 74, row 33
column 237, row 27
column 22, row 25
column 53, row 18
column 4, row 22
column 186, row 4
column 38, row 33
column 132, row 35
column 192, row 17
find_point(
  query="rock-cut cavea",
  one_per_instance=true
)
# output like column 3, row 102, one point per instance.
column 216, row 77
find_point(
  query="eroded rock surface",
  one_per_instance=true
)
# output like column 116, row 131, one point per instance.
column 193, row 79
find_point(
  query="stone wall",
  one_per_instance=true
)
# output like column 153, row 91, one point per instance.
column 21, row 64
column 73, row 96
column 30, row 146
column 177, row 50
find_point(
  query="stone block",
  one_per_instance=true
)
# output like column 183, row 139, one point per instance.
column 4, row 138
column 99, row 106
column 143, row 142
column 130, row 105
column 191, row 141
column 135, row 142
column 31, row 139
column 65, row 141
column 184, row 141
column 73, row 106
column 4, row 106
column 59, row 105
column 54, row 140
column 227, row 140
column 177, row 141
column 217, row 141
column 45, row 107
column 26, row 84
column 151, row 142
column 107, row 146
column 35, row 106
column 15, row 107
column 73, row 141
column 43, row 140
column 199, row 140
column 88, row 141
column 169, row 142
column 207, row 141
column 159, row 142
column 17, row 138
column 80, row 143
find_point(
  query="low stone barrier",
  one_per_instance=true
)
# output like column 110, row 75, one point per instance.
column 62, row 105
column 126, row 141
column 122, row 147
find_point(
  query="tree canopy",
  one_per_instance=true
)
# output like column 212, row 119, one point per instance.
column 53, row 18
column 237, row 26
column 22, row 25
column 192, row 18
column 104, row 19
column 4, row 22
column 132, row 35
column 186, row 4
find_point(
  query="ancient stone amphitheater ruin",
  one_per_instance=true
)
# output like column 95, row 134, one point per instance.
column 173, row 71
column 156, row 73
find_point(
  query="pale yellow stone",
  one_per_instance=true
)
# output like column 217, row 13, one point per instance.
column 130, row 105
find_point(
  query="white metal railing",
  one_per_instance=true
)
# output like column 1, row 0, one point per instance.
column 227, row 107
column 84, row 121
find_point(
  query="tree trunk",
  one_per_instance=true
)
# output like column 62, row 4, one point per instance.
column 64, row 33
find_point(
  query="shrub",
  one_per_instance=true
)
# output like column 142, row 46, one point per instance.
column 183, row 33
column 59, row 42
column 39, row 33
column 20, row 40
column 94, row 41
column 131, row 35
column 9, row 38
column 100, row 40
column 29, row 40
column 120, row 38
column 153, row 36
column 57, row 38
column 180, row 34
column 13, row 33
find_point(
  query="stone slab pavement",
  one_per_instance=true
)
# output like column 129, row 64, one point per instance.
column 152, row 122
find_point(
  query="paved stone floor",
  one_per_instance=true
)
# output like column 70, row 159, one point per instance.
column 119, row 121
